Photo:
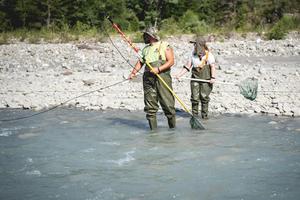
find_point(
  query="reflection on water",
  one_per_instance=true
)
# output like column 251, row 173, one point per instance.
column 70, row 154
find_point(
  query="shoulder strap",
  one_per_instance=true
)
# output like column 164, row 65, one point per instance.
column 160, row 57
column 206, row 58
column 203, row 62
column 206, row 55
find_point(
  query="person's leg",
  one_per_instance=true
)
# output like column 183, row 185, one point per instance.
column 150, row 99
column 205, row 90
column 166, row 99
column 195, row 98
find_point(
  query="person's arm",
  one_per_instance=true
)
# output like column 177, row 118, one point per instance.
column 135, row 70
column 213, row 72
column 212, row 64
column 185, row 68
column 169, row 62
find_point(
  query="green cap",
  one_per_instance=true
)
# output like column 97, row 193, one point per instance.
column 199, row 43
column 152, row 32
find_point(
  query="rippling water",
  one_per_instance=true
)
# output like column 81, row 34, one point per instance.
column 72, row 154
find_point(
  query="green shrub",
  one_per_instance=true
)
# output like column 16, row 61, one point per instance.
column 277, row 32
column 190, row 23
column 133, row 22
column 137, row 37
column 80, row 27
column 20, row 34
column 283, row 26
column 47, row 34
column 169, row 27
column 33, row 39
column 3, row 22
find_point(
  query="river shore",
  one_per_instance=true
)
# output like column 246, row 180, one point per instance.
column 39, row 76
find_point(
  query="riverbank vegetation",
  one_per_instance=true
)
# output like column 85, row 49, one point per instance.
column 68, row 20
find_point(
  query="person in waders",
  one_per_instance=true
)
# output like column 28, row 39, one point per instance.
column 161, row 57
column 202, row 65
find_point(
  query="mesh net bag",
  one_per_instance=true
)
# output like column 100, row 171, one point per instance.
column 248, row 88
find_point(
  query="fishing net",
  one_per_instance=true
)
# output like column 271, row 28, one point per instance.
column 196, row 124
column 248, row 88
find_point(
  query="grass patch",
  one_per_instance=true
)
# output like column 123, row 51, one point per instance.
column 188, row 24
column 52, row 35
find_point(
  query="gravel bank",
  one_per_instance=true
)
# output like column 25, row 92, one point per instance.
column 38, row 76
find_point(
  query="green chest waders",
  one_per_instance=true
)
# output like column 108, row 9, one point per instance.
column 154, row 92
column 200, row 91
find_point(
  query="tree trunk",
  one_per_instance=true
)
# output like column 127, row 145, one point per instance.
column 48, row 13
column 23, row 14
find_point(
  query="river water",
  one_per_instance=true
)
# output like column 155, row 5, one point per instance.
column 91, row 155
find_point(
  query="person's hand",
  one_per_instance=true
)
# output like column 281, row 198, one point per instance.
column 177, row 77
column 131, row 76
column 212, row 80
column 155, row 70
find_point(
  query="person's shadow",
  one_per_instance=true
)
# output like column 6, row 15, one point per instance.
column 138, row 123
column 129, row 122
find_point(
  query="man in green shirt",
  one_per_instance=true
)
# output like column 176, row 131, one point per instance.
column 161, row 57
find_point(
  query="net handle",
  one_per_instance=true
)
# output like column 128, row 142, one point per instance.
column 207, row 81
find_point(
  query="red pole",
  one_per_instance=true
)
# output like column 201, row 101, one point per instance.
column 115, row 26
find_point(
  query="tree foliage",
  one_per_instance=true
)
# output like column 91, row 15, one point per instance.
column 133, row 15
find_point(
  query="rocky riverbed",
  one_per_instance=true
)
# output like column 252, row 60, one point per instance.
column 38, row 76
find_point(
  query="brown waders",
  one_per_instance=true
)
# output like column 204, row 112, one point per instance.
column 200, row 91
column 155, row 91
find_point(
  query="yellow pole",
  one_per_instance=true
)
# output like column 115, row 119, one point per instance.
column 175, row 95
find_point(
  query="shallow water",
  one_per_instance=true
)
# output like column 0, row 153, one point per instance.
column 72, row 154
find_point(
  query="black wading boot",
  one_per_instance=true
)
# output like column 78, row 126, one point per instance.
column 152, row 123
column 172, row 122
column 204, row 111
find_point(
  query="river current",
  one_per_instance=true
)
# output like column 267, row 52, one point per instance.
column 107, row 155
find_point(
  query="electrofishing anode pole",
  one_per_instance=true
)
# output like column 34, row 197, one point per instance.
column 115, row 26
column 198, row 123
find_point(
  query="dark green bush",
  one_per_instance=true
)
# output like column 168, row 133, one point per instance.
column 190, row 23
column 283, row 26
column 169, row 27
